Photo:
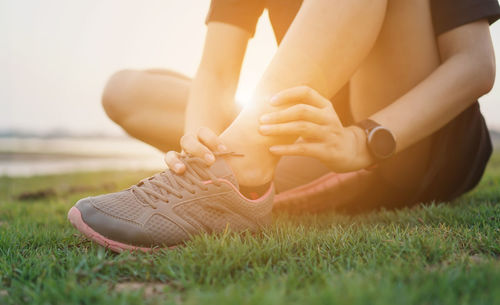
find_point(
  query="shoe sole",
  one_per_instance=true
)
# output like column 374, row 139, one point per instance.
column 75, row 217
column 315, row 196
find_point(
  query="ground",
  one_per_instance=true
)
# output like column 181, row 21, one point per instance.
column 444, row 253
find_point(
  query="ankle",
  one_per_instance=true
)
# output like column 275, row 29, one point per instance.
column 256, row 166
column 251, row 176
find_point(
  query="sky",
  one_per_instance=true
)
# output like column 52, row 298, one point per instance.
column 56, row 55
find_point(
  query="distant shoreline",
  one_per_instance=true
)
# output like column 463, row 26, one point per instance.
column 61, row 135
column 31, row 156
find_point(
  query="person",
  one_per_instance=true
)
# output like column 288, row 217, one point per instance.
column 371, row 103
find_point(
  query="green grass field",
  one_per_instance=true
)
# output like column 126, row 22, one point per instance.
column 435, row 254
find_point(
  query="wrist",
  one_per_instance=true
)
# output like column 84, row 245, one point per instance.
column 362, row 156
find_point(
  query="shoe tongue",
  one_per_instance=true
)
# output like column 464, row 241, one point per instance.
column 222, row 170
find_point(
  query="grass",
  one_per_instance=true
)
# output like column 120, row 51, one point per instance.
column 434, row 254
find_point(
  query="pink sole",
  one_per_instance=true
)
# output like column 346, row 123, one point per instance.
column 315, row 186
column 75, row 217
column 319, row 185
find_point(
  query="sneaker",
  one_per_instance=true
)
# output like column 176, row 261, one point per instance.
column 167, row 209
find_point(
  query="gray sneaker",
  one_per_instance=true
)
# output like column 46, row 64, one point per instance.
column 167, row 209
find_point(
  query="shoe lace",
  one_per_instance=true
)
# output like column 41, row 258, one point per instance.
column 163, row 184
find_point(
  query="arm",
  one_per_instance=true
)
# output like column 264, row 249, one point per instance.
column 467, row 72
column 211, row 105
column 211, row 97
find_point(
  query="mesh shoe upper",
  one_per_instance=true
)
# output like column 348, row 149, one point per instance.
column 166, row 209
column 123, row 205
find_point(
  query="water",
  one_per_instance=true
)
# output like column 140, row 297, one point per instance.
column 39, row 156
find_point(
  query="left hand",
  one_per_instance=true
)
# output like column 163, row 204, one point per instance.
column 304, row 113
column 202, row 144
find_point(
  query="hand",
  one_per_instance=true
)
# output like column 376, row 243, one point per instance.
column 201, row 145
column 304, row 113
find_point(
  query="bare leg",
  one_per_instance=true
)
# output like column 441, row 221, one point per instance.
column 322, row 49
column 149, row 105
column 404, row 54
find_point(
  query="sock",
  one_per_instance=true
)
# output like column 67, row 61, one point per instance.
column 254, row 192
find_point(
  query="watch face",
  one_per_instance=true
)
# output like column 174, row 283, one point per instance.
column 382, row 143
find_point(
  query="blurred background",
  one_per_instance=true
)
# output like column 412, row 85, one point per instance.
column 56, row 56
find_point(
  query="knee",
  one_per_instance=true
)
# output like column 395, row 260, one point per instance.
column 117, row 98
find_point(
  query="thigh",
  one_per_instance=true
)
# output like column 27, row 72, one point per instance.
column 151, row 89
column 149, row 105
column 170, row 73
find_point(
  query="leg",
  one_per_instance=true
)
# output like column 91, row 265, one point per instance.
column 403, row 56
column 402, row 49
column 149, row 105
column 314, row 52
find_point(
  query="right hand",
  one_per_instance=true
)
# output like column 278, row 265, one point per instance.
column 201, row 145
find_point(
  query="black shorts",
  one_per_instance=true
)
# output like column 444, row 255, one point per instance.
column 461, row 151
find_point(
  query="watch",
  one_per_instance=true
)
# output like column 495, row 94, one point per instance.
column 380, row 140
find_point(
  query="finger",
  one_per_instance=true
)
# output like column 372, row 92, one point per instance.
column 300, row 95
column 192, row 146
column 207, row 137
column 314, row 150
column 174, row 163
column 300, row 112
column 303, row 129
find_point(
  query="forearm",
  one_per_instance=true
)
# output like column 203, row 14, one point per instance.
column 443, row 95
column 211, row 98
column 211, row 102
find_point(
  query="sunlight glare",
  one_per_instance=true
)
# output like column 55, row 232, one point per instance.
column 260, row 51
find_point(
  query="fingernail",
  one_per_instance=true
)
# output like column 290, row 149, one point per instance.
column 265, row 118
column 178, row 167
column 264, row 128
column 209, row 157
column 222, row 148
column 274, row 99
column 273, row 148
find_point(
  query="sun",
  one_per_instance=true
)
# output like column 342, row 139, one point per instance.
column 243, row 96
